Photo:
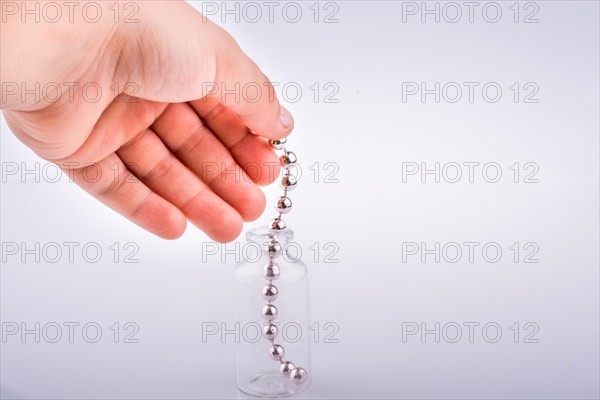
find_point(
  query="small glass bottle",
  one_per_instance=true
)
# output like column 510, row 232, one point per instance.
column 258, row 372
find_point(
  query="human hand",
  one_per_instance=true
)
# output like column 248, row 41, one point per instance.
column 154, row 146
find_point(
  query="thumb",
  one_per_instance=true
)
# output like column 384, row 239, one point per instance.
column 178, row 55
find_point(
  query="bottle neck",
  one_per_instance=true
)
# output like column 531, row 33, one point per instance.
column 263, row 235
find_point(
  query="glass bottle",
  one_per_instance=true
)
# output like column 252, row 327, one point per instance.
column 258, row 373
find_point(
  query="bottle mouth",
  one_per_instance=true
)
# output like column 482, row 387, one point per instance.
column 263, row 235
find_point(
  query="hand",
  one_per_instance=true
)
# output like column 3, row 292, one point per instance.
column 153, row 145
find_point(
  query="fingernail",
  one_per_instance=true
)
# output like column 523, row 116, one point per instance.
column 286, row 118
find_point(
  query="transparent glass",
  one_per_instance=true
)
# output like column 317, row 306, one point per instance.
column 257, row 373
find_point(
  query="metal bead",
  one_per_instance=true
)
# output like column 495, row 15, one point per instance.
column 270, row 332
column 286, row 367
column 276, row 352
column 290, row 170
column 278, row 224
column 269, row 312
column 274, row 248
column 288, row 158
column 284, row 204
column 288, row 183
column 298, row 375
column 271, row 271
column 277, row 144
column 270, row 293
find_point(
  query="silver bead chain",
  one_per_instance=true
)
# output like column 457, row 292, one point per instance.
column 271, row 271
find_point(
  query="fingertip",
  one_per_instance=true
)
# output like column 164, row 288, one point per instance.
column 230, row 229
column 280, row 125
column 162, row 218
column 174, row 227
column 256, row 207
column 286, row 120
column 270, row 167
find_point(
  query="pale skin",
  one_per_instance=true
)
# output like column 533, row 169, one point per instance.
column 162, row 145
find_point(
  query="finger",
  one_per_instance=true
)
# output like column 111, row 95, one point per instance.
column 124, row 118
column 186, row 57
column 251, row 152
column 261, row 111
column 114, row 185
column 194, row 144
column 154, row 165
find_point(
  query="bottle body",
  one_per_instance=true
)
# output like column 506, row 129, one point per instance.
column 258, row 373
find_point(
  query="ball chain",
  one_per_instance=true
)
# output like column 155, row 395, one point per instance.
column 271, row 271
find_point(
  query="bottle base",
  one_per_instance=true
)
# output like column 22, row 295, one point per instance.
column 271, row 384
